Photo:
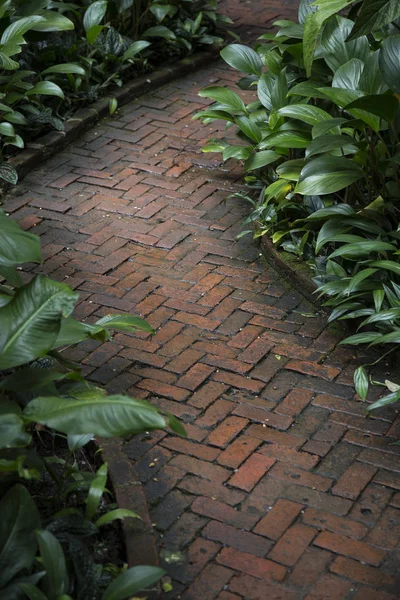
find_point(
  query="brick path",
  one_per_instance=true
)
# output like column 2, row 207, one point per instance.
column 283, row 490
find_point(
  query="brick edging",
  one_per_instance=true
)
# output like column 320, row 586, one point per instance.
column 138, row 535
column 85, row 118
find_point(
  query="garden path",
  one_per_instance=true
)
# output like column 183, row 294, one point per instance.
column 283, row 490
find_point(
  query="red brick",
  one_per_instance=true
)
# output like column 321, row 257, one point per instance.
column 348, row 547
column 352, row 569
column 211, row 581
column 325, row 520
column 263, row 310
column 251, row 471
column 201, row 468
column 223, row 512
column 308, row 569
column 386, row 533
column 278, row 437
column 195, row 376
column 291, row 546
column 201, row 451
column 252, row 565
column 245, row 336
column 259, row 414
column 300, row 477
column 317, row 447
column 201, row 487
column 196, row 320
column 368, row 594
column 163, row 389
column 330, row 587
column 242, row 540
column 255, row 589
column 256, row 351
column 215, row 413
column 294, row 402
column 354, row 480
column 278, row 519
column 238, row 451
column 184, row 361
column 238, row 381
column 226, row 431
column 289, row 455
column 229, row 364
column 198, row 555
column 313, row 369
column 371, row 441
column 207, row 394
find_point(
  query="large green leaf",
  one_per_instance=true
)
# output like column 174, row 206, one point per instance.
column 373, row 15
column 46, row 88
column 132, row 581
column 286, row 139
column 250, row 129
column 348, row 75
column 264, row 89
column 336, row 210
column 327, row 174
column 53, row 21
column 31, row 379
column 224, row 97
column 19, row 519
column 362, row 248
column 304, row 112
column 16, row 245
column 30, row 323
column 135, row 48
column 118, row 513
column 385, row 401
column 331, row 126
column 242, row 58
column 328, row 143
column 336, row 51
column 124, row 323
column 18, row 28
column 96, row 491
column 383, row 105
column 8, row 173
column 94, row 14
column 362, row 338
column 388, row 265
column 55, row 582
column 361, row 382
column 65, row 68
column 104, row 416
column 389, row 62
column 72, row 332
column 260, row 159
column 12, row 431
column 159, row 31
column 291, row 169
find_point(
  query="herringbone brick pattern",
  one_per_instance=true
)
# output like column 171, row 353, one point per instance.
column 283, row 489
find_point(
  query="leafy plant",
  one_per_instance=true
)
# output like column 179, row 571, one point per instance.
column 320, row 146
column 47, row 551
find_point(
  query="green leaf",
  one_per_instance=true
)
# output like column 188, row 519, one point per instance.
column 7, row 63
column 225, row 97
column 65, row 68
column 361, row 382
column 104, row 416
column 307, row 89
column 76, row 442
column 324, row 144
column 238, row 152
column 55, row 582
column 19, row 519
column 336, row 210
column 18, row 28
column 304, row 112
column 348, row 75
column 96, row 490
column 362, row 248
column 53, row 21
column 6, row 129
column 135, row 48
column 264, row 89
column 389, row 62
column 379, row 296
column 383, row 105
column 388, row 338
column 112, row 106
column 331, row 126
column 390, row 314
column 249, row 128
column 160, row 31
column 30, row 323
column 118, row 513
column 8, row 173
column 16, row 245
column 214, row 114
column 389, row 399
column 357, row 279
column 94, row 14
column 132, row 581
column 389, row 265
column 33, row 379
column 260, row 159
column 73, row 331
column 93, row 33
column 286, row 139
column 32, row 591
column 12, row 431
column 242, row 58
column 373, row 15
column 124, row 323
column 326, row 175
column 361, row 338
column 46, row 88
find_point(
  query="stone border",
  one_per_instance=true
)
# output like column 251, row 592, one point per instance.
column 137, row 535
column 85, row 118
